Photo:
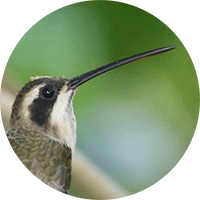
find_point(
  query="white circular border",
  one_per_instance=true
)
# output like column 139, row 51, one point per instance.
column 19, row 16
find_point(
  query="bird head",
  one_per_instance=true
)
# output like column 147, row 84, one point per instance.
column 45, row 105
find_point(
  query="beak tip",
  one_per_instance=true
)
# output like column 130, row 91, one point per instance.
column 174, row 47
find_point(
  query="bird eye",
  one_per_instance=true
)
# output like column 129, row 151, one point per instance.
column 48, row 92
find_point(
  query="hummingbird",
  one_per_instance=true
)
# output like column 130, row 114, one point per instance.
column 43, row 125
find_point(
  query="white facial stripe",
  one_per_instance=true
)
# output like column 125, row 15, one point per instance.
column 62, row 117
column 28, row 100
column 38, row 77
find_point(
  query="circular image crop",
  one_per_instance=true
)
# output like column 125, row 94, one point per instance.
column 100, row 132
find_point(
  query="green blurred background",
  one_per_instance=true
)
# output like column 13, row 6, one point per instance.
column 134, row 122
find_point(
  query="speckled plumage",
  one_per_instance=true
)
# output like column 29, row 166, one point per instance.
column 45, row 158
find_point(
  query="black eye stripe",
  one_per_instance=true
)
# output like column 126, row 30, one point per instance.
column 40, row 110
column 41, row 107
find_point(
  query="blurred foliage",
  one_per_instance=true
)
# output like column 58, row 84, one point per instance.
column 135, row 122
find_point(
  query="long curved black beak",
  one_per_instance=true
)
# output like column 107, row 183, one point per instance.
column 79, row 80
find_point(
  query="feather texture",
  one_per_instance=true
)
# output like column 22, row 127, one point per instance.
column 46, row 158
